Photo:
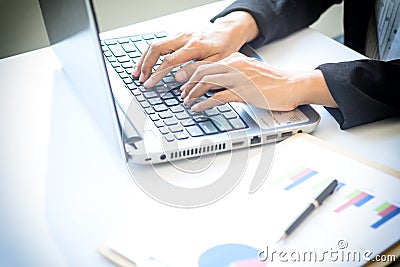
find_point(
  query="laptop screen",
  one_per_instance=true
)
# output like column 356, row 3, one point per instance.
column 73, row 34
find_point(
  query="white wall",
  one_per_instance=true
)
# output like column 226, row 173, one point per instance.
column 331, row 22
column 115, row 14
column 22, row 28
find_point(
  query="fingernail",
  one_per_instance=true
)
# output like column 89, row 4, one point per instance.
column 196, row 108
column 148, row 83
column 186, row 100
column 181, row 76
column 183, row 94
column 141, row 77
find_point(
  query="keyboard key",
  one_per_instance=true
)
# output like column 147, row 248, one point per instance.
column 208, row 127
column 159, row 123
column 149, row 36
column 150, row 94
column 160, row 107
column 108, row 53
column 161, row 89
column 110, row 42
column 221, row 123
column 154, row 117
column 145, row 104
column 169, row 137
column 128, row 65
column 141, row 45
column 149, row 110
column 167, row 95
column 134, row 90
column 163, row 130
column 171, row 102
column 134, row 54
column 119, row 69
column 123, row 40
column 117, row 50
column 181, row 135
column 123, row 59
column 135, row 38
column 160, row 34
column 165, row 114
column 115, row 64
column 211, row 112
column 174, row 85
column 187, row 122
column 154, row 101
column 123, row 75
column 170, row 121
column 128, row 80
column 200, row 118
column 140, row 98
column 129, row 47
column 182, row 115
column 169, row 79
column 224, row 108
column 136, row 81
column 230, row 115
column 112, row 58
column 237, row 123
column 177, row 109
column 129, row 71
column 194, row 131
column 176, row 128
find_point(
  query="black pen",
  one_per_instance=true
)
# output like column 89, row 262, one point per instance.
column 315, row 204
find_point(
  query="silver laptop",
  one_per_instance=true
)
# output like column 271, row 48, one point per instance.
column 153, row 125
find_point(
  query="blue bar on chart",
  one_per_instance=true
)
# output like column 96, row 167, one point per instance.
column 387, row 211
column 299, row 177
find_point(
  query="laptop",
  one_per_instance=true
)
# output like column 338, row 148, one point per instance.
column 153, row 125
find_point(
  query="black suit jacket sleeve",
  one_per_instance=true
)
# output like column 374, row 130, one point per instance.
column 364, row 90
column 278, row 18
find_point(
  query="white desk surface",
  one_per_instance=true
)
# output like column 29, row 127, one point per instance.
column 64, row 190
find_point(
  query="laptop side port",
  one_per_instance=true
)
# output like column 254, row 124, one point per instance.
column 237, row 144
column 286, row 134
column 255, row 140
column 272, row 136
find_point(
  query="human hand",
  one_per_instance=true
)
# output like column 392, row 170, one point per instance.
column 249, row 81
column 222, row 38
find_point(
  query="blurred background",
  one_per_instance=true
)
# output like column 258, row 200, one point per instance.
column 22, row 28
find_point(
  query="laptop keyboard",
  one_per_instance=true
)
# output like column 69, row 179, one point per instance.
column 163, row 102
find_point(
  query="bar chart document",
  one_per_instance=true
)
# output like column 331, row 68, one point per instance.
column 358, row 224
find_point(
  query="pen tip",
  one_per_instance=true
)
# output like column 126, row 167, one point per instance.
column 282, row 238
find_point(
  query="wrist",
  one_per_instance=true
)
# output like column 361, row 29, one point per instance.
column 311, row 88
column 240, row 25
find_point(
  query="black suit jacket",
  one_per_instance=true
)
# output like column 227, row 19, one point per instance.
column 365, row 90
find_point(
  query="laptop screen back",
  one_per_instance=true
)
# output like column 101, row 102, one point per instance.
column 73, row 33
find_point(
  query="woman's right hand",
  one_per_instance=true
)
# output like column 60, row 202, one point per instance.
column 224, row 37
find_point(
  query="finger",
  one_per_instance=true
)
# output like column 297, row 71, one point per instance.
column 176, row 58
column 153, row 52
column 217, row 99
column 187, row 71
column 210, row 82
column 202, row 71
